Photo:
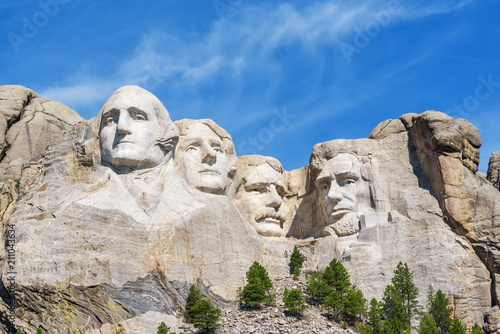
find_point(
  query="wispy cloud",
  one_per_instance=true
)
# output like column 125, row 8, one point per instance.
column 236, row 44
column 419, row 9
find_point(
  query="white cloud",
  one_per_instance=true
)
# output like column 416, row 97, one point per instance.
column 238, row 43
column 79, row 94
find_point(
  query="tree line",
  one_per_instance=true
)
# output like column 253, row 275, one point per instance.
column 344, row 303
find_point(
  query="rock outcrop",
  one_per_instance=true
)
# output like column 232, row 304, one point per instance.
column 28, row 124
column 114, row 218
column 494, row 170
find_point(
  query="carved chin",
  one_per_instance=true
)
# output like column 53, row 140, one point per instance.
column 211, row 184
column 348, row 225
column 269, row 227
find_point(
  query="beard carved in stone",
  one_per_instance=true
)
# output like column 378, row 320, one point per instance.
column 260, row 192
column 205, row 155
column 342, row 193
column 135, row 130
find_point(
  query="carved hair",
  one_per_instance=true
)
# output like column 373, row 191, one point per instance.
column 257, row 160
column 184, row 124
column 246, row 161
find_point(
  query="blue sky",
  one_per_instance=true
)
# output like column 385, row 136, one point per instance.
column 279, row 76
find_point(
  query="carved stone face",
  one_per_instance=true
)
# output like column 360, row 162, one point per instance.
column 129, row 131
column 260, row 199
column 203, row 160
column 340, row 185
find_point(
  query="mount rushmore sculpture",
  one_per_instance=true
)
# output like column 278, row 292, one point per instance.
column 116, row 217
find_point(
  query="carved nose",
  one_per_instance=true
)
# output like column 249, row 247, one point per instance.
column 123, row 126
column 334, row 194
column 209, row 155
column 274, row 200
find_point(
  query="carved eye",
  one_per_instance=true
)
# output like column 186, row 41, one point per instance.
column 349, row 182
column 218, row 149
column 191, row 148
column 325, row 186
column 258, row 189
column 109, row 120
column 139, row 117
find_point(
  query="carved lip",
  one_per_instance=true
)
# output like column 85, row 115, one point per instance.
column 269, row 220
column 340, row 212
column 124, row 142
column 211, row 171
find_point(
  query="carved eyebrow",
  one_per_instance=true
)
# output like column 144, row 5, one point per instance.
column 256, row 185
column 138, row 111
column 324, row 178
column 110, row 112
column 216, row 142
column 348, row 175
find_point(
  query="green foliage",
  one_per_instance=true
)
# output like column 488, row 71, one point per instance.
column 363, row 329
column 193, row 297
column 354, row 304
column 375, row 315
column 333, row 304
column 164, row 329
column 258, row 288
column 336, row 276
column 257, row 269
column 439, row 310
column 295, row 301
column 200, row 311
column 334, row 289
column 428, row 325
column 317, row 289
column 456, row 327
column 19, row 332
column 39, row 331
column 296, row 262
column 476, row 329
column 205, row 315
column 400, row 299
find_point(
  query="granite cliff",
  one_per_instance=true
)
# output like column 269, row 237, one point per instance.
column 111, row 220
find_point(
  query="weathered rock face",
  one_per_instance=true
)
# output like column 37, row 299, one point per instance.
column 28, row 123
column 494, row 170
column 127, row 210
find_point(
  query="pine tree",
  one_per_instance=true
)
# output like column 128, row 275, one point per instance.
column 254, row 293
column 456, row 327
column 354, row 304
column 476, row 329
column 205, row 315
column 428, row 325
column 294, row 301
column 39, row 331
column 258, row 288
column 439, row 310
column 193, row 297
column 296, row 262
column 317, row 289
column 400, row 298
column 164, row 329
column 375, row 315
column 261, row 272
column 334, row 305
column 336, row 276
